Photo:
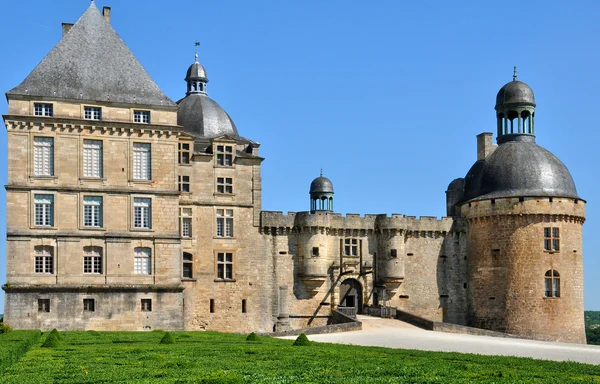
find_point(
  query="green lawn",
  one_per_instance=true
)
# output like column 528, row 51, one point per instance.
column 206, row 357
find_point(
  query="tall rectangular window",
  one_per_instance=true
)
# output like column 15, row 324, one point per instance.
column 92, row 211
column 44, row 259
column 184, row 153
column 225, row 265
column 142, row 155
column 142, row 264
column 92, row 113
column 41, row 109
column 44, row 210
column 92, row 260
column 142, row 215
column 188, row 265
column 224, row 185
column 351, row 247
column 224, row 155
column 43, row 156
column 186, row 222
column 551, row 239
column 184, row 183
column 224, row 222
column 92, row 158
column 141, row 117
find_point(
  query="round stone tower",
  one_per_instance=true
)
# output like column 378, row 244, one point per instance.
column 524, row 244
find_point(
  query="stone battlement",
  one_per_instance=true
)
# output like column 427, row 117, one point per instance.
column 556, row 206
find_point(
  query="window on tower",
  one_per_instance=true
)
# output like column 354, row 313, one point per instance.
column 552, row 284
column 551, row 239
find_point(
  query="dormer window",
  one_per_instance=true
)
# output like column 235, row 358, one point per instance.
column 40, row 109
column 141, row 117
column 224, row 155
column 92, row 113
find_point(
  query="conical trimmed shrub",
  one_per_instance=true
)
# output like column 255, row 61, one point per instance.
column 301, row 341
column 57, row 334
column 252, row 337
column 51, row 341
column 167, row 339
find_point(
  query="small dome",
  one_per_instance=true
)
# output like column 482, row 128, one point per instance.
column 515, row 93
column 321, row 185
column 196, row 72
column 456, row 184
column 516, row 169
column 201, row 116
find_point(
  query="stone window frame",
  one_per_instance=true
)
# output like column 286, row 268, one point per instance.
column 54, row 205
column 150, row 227
column 142, row 176
column 223, row 220
column 100, row 168
column 184, row 183
column 142, row 268
column 552, row 239
column 82, row 224
column 351, row 243
column 44, row 260
column 35, row 161
column 224, row 185
column 552, row 284
column 43, row 109
column 222, row 276
column 187, row 260
column 142, row 116
column 89, row 304
column 146, row 305
column 184, row 155
column 93, row 260
column 224, row 154
column 44, row 305
column 92, row 112
column 186, row 215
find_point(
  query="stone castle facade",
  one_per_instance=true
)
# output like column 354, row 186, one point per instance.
column 128, row 211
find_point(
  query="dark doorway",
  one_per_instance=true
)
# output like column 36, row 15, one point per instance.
column 351, row 295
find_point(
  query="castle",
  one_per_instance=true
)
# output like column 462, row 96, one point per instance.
column 128, row 211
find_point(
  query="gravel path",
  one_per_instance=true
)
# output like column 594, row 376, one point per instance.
column 396, row 334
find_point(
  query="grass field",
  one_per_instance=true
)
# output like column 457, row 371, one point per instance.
column 206, row 357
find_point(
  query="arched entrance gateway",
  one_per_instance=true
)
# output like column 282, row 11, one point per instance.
column 351, row 299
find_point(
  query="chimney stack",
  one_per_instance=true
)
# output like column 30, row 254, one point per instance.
column 106, row 13
column 66, row 27
column 485, row 147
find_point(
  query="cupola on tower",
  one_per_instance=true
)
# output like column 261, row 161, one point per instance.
column 321, row 194
column 524, row 244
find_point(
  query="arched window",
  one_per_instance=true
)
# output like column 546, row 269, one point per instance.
column 552, row 284
column 188, row 265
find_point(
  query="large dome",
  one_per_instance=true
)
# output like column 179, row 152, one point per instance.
column 201, row 116
column 519, row 168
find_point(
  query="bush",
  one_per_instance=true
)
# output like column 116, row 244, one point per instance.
column 301, row 341
column 5, row 328
column 252, row 337
column 167, row 339
column 51, row 341
column 54, row 332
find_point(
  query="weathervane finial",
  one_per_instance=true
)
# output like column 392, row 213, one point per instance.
column 515, row 73
column 321, row 172
column 197, row 44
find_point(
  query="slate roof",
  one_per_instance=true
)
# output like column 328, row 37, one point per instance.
column 201, row 116
column 91, row 62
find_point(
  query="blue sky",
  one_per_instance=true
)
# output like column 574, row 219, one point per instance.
column 385, row 96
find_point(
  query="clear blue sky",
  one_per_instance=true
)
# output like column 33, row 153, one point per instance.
column 385, row 96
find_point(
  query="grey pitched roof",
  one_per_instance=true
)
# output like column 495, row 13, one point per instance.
column 91, row 62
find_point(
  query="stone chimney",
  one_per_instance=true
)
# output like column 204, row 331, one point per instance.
column 484, row 145
column 106, row 13
column 66, row 27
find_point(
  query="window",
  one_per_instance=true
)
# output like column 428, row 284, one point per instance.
column 224, row 185
column 44, row 259
column 92, row 260
column 224, row 266
column 92, row 211
column 225, row 155
column 188, row 265
column 351, row 247
column 186, row 222
column 92, row 113
column 141, row 117
column 43, row 305
column 315, row 251
column 212, row 305
column 44, row 210
column 42, row 109
column 224, row 222
column 394, row 253
column 243, row 305
column 92, row 158
column 551, row 239
column 184, row 183
column 89, row 305
column 552, row 284
column 142, row 213
column 146, row 305
column 184, row 153
column 142, row 264
column 43, row 156
column 142, row 161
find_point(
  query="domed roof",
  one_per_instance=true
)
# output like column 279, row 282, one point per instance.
column 456, row 184
column 321, row 185
column 515, row 92
column 519, row 168
column 196, row 72
column 201, row 116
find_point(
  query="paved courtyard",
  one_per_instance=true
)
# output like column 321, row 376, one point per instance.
column 396, row 334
